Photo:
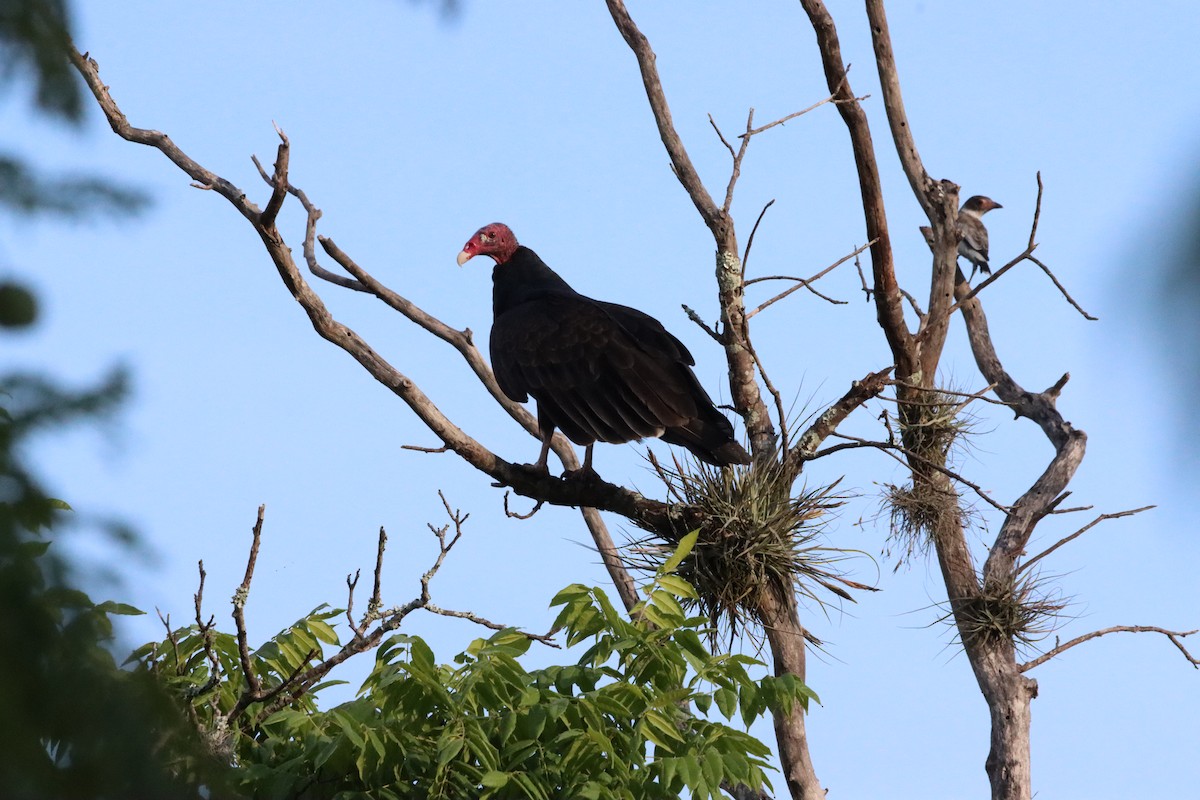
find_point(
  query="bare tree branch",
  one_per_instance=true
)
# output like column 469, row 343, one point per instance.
column 740, row 154
column 805, row 448
column 303, row 679
column 696, row 318
column 680, row 161
column 753, row 231
column 1080, row 532
column 886, row 290
column 514, row 515
column 754, row 132
column 805, row 283
column 744, row 389
column 892, row 449
column 1062, row 289
column 1174, row 636
column 253, row 687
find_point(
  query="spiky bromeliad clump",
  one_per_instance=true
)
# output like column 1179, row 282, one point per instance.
column 1021, row 609
column 932, row 425
column 916, row 514
column 756, row 537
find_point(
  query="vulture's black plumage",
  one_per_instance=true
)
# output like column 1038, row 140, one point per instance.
column 599, row 371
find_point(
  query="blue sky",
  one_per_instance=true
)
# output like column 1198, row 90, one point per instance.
column 410, row 130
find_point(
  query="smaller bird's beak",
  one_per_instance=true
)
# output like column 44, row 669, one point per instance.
column 996, row 205
column 464, row 257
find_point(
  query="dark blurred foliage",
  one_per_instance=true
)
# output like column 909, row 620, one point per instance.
column 33, row 37
column 24, row 192
column 73, row 724
column 1176, row 312
column 449, row 8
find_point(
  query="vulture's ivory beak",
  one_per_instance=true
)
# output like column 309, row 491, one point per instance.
column 464, row 257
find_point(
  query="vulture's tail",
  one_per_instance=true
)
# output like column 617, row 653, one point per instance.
column 710, row 439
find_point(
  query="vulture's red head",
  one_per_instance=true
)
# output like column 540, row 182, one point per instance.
column 495, row 240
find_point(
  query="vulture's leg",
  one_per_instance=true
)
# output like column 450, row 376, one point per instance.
column 546, row 427
column 585, row 472
column 544, row 455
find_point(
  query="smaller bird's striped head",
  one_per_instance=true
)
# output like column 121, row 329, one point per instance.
column 495, row 240
column 979, row 205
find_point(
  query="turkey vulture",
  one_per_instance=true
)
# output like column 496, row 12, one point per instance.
column 599, row 371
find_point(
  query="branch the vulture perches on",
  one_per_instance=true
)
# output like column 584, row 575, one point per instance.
column 599, row 371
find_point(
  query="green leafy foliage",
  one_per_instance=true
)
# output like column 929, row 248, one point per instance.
column 627, row 718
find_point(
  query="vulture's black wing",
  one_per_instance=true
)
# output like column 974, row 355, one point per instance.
column 599, row 371
column 591, row 378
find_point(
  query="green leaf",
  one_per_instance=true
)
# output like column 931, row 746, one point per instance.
column 681, row 552
column 421, row 654
column 67, row 598
column 703, row 702
column 660, row 730
column 572, row 592
column 531, row 789
column 494, row 780
column 34, row 549
column 677, row 586
column 448, row 748
column 748, row 697
column 726, row 701
column 111, row 607
column 667, row 602
column 323, row 631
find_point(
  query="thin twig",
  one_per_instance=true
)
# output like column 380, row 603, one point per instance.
column 694, row 317
column 854, row 442
column 1063, row 289
column 867, row 290
column 206, row 638
column 279, row 183
column 721, row 136
column 351, row 585
column 1174, row 636
column 804, row 283
column 1074, row 510
column 778, row 397
column 376, row 601
column 253, row 686
column 912, row 301
column 514, row 515
column 970, row 396
column 672, row 490
column 419, row 449
column 1080, row 532
column 737, row 155
column 544, row 638
column 795, row 114
column 754, row 230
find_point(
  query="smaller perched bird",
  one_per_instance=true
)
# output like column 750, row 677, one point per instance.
column 973, row 236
